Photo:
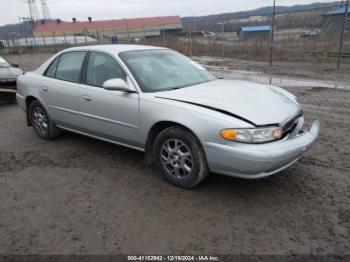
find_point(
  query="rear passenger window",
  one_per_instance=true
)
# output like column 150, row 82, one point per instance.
column 51, row 71
column 69, row 66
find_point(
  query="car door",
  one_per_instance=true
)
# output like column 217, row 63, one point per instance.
column 60, row 87
column 113, row 115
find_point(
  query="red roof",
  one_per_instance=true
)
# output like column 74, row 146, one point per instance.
column 162, row 20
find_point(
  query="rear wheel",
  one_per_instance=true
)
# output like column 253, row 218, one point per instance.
column 179, row 157
column 42, row 124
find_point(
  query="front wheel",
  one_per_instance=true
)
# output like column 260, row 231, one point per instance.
column 179, row 157
column 42, row 124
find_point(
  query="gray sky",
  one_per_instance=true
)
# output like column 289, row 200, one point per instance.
column 114, row 9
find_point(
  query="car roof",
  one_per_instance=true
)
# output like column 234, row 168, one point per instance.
column 114, row 48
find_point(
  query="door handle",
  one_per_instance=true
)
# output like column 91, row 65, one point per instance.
column 86, row 98
column 44, row 88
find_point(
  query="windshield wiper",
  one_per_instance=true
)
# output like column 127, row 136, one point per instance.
column 175, row 87
column 179, row 87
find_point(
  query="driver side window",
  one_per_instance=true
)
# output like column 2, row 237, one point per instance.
column 102, row 67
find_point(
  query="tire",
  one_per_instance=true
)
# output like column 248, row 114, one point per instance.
column 41, row 122
column 179, row 158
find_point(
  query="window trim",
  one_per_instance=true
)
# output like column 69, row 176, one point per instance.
column 59, row 59
column 115, row 57
column 83, row 80
column 47, row 68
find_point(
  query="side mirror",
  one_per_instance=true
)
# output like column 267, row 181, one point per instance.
column 14, row 65
column 117, row 84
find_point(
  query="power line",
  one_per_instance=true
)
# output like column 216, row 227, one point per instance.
column 33, row 10
column 45, row 10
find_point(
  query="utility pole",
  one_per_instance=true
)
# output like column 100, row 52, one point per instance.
column 164, row 36
column 21, row 20
column 127, row 29
column 190, row 39
column 222, row 39
column 272, row 30
column 20, row 27
column 342, row 34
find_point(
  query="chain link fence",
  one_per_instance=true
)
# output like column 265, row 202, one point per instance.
column 313, row 34
column 320, row 35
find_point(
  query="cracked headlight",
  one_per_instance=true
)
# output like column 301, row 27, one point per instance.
column 252, row 135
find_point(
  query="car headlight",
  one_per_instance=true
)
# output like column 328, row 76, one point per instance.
column 252, row 135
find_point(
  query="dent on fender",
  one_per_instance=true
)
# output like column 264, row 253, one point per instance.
column 212, row 108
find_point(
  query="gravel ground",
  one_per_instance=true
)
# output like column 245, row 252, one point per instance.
column 77, row 195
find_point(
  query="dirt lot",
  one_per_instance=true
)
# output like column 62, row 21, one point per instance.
column 76, row 195
column 299, row 70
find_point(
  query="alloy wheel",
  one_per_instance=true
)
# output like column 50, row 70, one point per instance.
column 176, row 158
column 40, row 121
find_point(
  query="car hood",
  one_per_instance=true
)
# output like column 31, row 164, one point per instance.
column 258, row 103
column 10, row 72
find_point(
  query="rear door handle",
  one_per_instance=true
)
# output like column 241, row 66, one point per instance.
column 44, row 88
column 86, row 98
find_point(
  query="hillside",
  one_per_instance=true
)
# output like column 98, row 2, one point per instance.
column 209, row 22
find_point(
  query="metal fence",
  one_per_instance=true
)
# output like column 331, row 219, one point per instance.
column 320, row 34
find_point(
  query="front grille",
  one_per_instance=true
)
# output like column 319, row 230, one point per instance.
column 8, row 82
column 292, row 123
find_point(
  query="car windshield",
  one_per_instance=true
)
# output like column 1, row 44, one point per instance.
column 3, row 62
column 163, row 70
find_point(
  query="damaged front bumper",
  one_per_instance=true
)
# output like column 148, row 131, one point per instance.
column 254, row 161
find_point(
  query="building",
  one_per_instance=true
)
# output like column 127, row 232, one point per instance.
column 122, row 28
column 332, row 22
column 250, row 32
column 259, row 19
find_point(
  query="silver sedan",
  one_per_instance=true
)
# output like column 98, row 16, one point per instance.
column 188, row 122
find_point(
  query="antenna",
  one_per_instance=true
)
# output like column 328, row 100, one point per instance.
column 33, row 10
column 45, row 10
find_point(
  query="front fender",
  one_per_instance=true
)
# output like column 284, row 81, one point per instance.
column 204, row 123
